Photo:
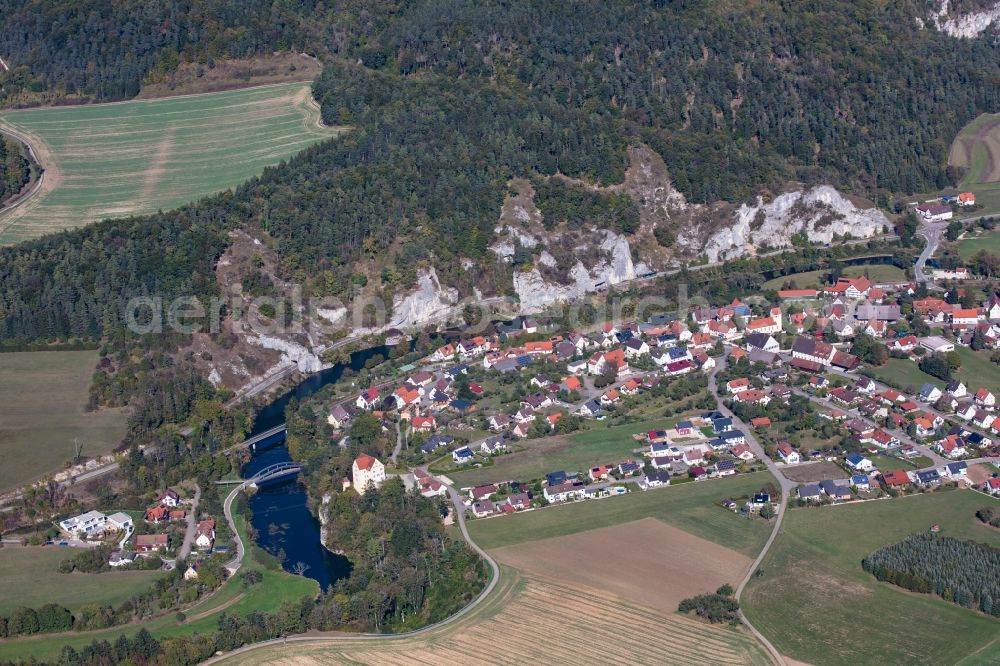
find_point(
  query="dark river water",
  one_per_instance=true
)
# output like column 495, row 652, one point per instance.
column 281, row 515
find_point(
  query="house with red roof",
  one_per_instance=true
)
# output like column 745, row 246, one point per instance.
column 788, row 455
column 852, row 288
column 423, row 423
column 896, row 478
column 367, row 472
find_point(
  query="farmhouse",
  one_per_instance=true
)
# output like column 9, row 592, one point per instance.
column 935, row 212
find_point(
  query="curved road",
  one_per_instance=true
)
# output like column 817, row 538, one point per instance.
column 459, row 506
column 786, row 490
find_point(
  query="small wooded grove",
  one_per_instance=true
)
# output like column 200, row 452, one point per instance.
column 720, row 606
column 15, row 170
column 963, row 572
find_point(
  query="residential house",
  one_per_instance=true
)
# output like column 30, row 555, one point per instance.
column 956, row 388
column 810, row 492
column 985, row 398
column 861, row 483
column 85, row 525
column 929, row 393
column 859, row 463
column 169, row 498
column 763, row 341
column 743, row 452
column 462, row 455
column 205, row 535
column 157, row 514
column 813, row 351
column 148, row 543
column 934, row 212
column 789, row 455
column 366, row 472
column 735, row 386
column 337, row 416
column 491, row 446
column 563, row 492
column 368, row 399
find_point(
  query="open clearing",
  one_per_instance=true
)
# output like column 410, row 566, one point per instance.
column 645, row 561
column 877, row 273
column 690, row 506
column 576, row 452
column 813, row 472
column 30, row 577
column 128, row 158
column 532, row 619
column 976, row 149
column 37, row 434
column 905, row 374
column 812, row 599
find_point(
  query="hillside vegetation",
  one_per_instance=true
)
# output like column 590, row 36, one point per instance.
column 447, row 102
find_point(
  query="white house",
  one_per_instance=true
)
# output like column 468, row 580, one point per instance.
column 85, row 525
column 935, row 212
column 859, row 463
column 205, row 535
column 367, row 471
column 788, row 454
column 120, row 522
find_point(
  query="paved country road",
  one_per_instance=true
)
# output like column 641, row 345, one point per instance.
column 459, row 507
column 786, row 489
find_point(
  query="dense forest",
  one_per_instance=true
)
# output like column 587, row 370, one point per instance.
column 449, row 100
column 964, row 572
column 407, row 571
column 15, row 169
column 104, row 49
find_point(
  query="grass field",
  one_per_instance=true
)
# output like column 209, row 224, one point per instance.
column 30, row 577
column 276, row 588
column 114, row 160
column 977, row 150
column 576, row 452
column 876, row 273
column 43, row 396
column 978, row 371
column 690, row 506
column 814, row 472
column 905, row 373
column 532, row 619
column 817, row 605
column 989, row 241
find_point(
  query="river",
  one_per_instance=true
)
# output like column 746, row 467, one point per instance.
column 281, row 515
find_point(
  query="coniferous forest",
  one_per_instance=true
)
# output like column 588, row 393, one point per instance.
column 964, row 572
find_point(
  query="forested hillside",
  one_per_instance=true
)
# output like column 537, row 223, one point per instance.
column 449, row 100
column 103, row 49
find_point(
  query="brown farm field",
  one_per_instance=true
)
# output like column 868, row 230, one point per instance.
column 813, row 472
column 645, row 561
column 535, row 619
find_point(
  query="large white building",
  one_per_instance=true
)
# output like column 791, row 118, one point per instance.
column 85, row 525
column 367, row 472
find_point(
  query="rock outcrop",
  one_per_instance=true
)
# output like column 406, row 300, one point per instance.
column 819, row 213
column 428, row 302
column 969, row 25
column 292, row 352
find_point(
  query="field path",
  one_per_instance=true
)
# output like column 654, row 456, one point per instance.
column 136, row 157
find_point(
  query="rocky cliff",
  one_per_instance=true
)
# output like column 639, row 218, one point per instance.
column 818, row 214
column 965, row 25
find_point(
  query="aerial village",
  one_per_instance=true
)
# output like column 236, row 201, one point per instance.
column 789, row 384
